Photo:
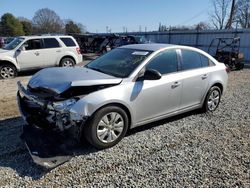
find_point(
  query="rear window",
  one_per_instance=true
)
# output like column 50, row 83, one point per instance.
column 204, row 61
column 51, row 43
column 68, row 41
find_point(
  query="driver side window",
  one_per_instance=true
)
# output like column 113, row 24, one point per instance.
column 165, row 62
column 33, row 44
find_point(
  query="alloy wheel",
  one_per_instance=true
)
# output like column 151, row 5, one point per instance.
column 213, row 100
column 68, row 63
column 7, row 72
column 110, row 127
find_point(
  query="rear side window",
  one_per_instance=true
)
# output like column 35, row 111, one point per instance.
column 68, row 42
column 51, row 43
column 33, row 44
column 205, row 62
column 190, row 60
column 165, row 62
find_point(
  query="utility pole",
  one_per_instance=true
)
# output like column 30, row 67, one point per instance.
column 229, row 23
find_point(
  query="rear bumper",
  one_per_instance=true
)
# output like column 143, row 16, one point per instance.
column 47, row 149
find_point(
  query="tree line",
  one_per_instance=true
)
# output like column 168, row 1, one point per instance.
column 45, row 21
column 225, row 14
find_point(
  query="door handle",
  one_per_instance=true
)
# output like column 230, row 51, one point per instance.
column 37, row 53
column 204, row 76
column 58, row 50
column 176, row 84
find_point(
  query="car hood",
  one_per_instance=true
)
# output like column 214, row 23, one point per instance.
column 3, row 50
column 59, row 80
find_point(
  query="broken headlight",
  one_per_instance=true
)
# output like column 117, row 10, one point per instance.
column 64, row 105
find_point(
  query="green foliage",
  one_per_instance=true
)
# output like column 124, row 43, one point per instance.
column 72, row 27
column 10, row 26
column 27, row 27
column 45, row 21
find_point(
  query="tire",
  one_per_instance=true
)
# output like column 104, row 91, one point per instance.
column 239, row 66
column 7, row 71
column 212, row 100
column 112, row 124
column 67, row 62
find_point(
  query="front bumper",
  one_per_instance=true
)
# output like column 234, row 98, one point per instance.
column 48, row 146
column 47, row 149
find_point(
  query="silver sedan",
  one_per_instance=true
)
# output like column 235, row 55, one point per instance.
column 128, row 87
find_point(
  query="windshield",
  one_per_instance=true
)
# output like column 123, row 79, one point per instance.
column 120, row 62
column 13, row 44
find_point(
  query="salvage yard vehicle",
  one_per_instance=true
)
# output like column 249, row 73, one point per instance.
column 228, row 51
column 102, row 43
column 36, row 52
column 127, row 87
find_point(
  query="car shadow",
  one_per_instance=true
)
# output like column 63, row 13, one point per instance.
column 161, row 122
column 28, row 73
column 14, row 154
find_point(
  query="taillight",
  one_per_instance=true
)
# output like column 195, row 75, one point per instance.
column 227, row 69
column 78, row 50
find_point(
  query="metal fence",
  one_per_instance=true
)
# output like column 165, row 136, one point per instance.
column 200, row 39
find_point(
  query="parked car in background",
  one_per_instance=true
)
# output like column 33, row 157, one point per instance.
column 1, row 42
column 127, row 87
column 8, row 40
column 36, row 52
column 102, row 43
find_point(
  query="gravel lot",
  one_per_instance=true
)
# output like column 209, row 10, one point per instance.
column 192, row 150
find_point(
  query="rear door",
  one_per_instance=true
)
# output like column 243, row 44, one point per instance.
column 53, row 51
column 194, row 78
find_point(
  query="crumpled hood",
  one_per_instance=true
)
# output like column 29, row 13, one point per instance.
column 59, row 80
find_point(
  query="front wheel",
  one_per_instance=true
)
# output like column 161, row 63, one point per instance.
column 7, row 71
column 212, row 99
column 106, row 127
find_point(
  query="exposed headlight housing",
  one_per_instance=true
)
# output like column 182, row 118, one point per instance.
column 63, row 106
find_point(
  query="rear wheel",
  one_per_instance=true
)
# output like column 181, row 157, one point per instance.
column 67, row 62
column 8, row 71
column 212, row 99
column 106, row 127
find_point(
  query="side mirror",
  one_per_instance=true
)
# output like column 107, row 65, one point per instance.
column 22, row 48
column 151, row 74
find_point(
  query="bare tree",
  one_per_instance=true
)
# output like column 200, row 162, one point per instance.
column 47, row 21
column 221, row 13
column 243, row 13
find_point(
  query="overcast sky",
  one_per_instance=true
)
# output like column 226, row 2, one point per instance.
column 96, row 15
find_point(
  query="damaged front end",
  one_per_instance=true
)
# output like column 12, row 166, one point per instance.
column 51, row 129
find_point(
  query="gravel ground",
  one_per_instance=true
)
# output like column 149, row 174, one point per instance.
column 191, row 150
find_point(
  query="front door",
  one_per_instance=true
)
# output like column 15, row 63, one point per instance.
column 31, row 56
column 156, row 98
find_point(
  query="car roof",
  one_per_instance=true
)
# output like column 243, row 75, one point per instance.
column 44, row 36
column 148, row 47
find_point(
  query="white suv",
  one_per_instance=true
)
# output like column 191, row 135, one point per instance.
column 35, row 52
